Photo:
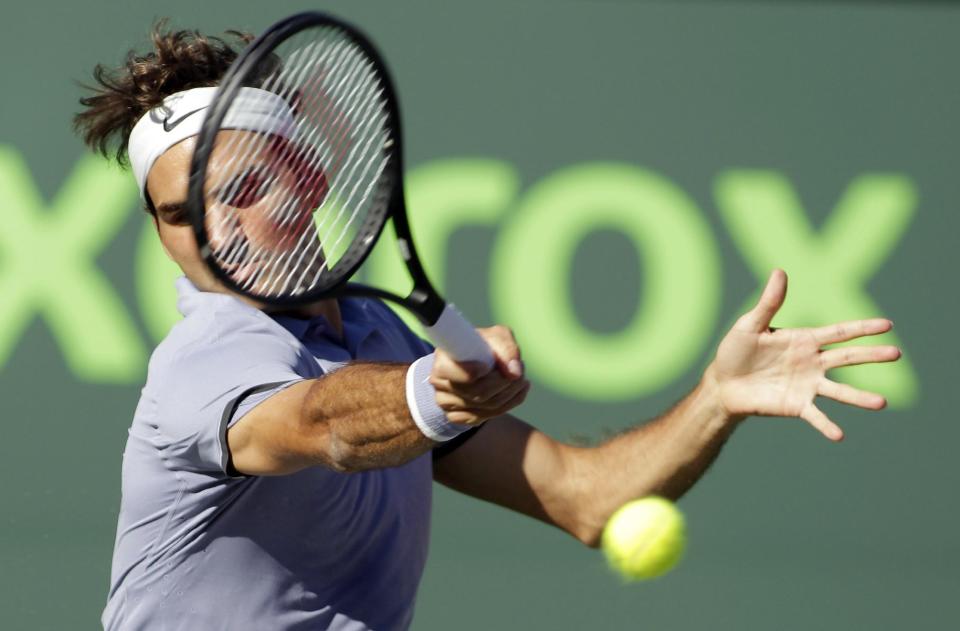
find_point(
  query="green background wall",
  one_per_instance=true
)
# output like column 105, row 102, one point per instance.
column 850, row 107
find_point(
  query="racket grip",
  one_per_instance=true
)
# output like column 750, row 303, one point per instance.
column 453, row 333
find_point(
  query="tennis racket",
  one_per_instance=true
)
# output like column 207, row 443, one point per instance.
column 296, row 170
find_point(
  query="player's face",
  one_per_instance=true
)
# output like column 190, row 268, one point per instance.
column 167, row 185
column 258, row 212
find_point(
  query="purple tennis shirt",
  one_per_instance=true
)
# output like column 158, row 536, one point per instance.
column 200, row 547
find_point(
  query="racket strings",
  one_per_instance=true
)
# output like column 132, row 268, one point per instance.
column 281, row 213
column 320, row 178
column 337, row 159
column 243, row 146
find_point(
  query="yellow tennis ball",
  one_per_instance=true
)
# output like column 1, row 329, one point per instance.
column 644, row 538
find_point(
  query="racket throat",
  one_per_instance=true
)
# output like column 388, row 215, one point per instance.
column 426, row 304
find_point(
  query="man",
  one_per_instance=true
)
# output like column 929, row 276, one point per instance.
column 277, row 476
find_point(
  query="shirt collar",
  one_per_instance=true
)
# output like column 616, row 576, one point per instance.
column 358, row 322
column 354, row 317
column 190, row 299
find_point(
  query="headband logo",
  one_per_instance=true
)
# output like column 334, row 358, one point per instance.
column 169, row 126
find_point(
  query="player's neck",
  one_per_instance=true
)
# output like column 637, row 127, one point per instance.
column 328, row 309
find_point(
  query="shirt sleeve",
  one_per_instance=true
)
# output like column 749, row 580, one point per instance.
column 208, row 385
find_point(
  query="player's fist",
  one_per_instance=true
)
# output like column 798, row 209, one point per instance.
column 469, row 392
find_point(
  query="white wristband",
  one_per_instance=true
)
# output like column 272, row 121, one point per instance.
column 422, row 401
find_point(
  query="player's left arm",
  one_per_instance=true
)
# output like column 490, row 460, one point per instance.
column 510, row 463
column 757, row 371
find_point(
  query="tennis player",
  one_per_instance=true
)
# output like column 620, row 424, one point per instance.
column 278, row 473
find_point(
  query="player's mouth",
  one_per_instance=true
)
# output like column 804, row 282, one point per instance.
column 264, row 271
column 245, row 272
column 240, row 265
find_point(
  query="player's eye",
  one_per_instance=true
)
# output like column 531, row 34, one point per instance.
column 173, row 215
column 246, row 189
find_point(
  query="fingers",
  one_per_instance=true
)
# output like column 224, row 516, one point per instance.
column 846, row 331
column 505, row 349
column 498, row 403
column 851, row 396
column 503, row 400
column 469, row 392
column 448, row 371
column 854, row 355
column 472, row 419
column 844, row 394
column 478, row 390
column 506, row 355
column 517, row 400
column 812, row 414
column 759, row 318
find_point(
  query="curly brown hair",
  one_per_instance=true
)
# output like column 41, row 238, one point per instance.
column 180, row 60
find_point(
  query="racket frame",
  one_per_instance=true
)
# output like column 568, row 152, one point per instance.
column 423, row 300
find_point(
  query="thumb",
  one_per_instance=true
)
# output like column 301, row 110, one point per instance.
column 758, row 319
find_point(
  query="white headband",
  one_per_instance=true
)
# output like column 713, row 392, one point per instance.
column 162, row 127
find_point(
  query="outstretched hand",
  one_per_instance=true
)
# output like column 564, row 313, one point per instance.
column 779, row 372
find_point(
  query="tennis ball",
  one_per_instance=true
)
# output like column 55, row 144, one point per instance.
column 644, row 538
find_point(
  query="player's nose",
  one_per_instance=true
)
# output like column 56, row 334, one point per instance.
column 225, row 233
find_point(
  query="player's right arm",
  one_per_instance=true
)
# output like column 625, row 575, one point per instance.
column 357, row 417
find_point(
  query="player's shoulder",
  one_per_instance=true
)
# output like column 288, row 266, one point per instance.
column 224, row 328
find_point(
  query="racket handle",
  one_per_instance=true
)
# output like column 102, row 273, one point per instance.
column 453, row 333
